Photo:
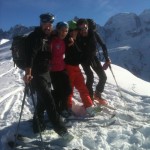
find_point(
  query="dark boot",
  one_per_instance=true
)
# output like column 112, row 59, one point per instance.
column 61, row 130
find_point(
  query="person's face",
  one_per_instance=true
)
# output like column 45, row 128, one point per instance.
column 83, row 29
column 47, row 28
column 62, row 32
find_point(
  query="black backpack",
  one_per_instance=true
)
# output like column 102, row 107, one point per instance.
column 18, row 48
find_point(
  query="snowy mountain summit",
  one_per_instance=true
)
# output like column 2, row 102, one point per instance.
column 122, row 26
column 133, row 31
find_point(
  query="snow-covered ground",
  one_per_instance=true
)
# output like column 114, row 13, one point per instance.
column 131, row 131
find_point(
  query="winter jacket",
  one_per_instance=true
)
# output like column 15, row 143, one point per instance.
column 57, row 50
column 73, row 54
column 37, row 53
column 87, row 46
column 102, row 44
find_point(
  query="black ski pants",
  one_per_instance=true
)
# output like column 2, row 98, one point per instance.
column 97, row 67
column 45, row 101
column 62, row 89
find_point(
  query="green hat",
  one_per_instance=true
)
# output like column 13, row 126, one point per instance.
column 72, row 25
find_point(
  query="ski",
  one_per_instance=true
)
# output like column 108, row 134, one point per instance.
column 108, row 106
column 29, row 146
column 76, row 118
column 34, row 143
column 110, row 121
column 24, row 142
column 105, row 123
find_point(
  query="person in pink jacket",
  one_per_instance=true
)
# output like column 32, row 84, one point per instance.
column 59, row 76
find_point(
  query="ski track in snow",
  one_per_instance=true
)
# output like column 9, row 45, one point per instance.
column 6, row 72
column 131, row 131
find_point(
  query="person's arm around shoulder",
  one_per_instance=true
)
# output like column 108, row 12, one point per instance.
column 71, row 42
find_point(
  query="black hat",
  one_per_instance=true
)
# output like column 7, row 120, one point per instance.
column 82, row 21
column 47, row 17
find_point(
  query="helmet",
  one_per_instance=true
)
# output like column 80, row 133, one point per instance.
column 62, row 24
column 47, row 17
column 72, row 25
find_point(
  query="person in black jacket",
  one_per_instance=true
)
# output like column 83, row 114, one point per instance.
column 87, row 41
column 73, row 58
column 37, row 72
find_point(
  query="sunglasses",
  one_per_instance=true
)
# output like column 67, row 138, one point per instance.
column 82, row 28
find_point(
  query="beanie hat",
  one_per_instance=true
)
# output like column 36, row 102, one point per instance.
column 72, row 25
column 47, row 17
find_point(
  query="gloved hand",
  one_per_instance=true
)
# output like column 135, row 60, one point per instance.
column 106, row 64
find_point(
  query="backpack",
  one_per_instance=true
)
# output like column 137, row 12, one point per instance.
column 18, row 48
column 91, row 24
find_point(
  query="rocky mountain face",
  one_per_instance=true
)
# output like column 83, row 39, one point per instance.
column 13, row 31
column 127, row 37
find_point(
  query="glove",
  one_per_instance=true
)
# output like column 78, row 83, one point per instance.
column 106, row 64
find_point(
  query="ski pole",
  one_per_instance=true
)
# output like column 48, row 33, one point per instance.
column 23, row 102
column 37, row 119
column 117, row 85
column 115, row 79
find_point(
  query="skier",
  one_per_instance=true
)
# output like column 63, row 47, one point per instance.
column 37, row 72
column 73, row 58
column 87, row 41
column 59, row 76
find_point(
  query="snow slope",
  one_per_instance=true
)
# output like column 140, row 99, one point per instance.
column 131, row 131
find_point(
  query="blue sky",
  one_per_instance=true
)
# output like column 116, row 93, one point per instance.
column 26, row 12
